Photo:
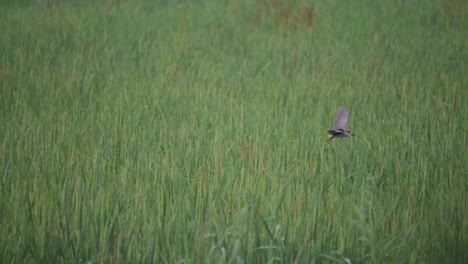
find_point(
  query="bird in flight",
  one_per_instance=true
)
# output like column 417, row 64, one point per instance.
column 339, row 130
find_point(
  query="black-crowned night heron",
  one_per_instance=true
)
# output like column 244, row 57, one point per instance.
column 339, row 130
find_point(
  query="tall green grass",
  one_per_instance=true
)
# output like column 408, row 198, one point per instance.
column 195, row 132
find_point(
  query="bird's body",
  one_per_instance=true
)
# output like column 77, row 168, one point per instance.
column 339, row 130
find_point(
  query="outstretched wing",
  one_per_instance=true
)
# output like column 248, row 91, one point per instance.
column 341, row 119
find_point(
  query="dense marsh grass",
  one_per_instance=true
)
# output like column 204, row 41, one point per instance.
column 196, row 132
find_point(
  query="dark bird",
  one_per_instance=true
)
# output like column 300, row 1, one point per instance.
column 339, row 130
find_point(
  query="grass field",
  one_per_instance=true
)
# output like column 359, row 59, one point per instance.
column 195, row 131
